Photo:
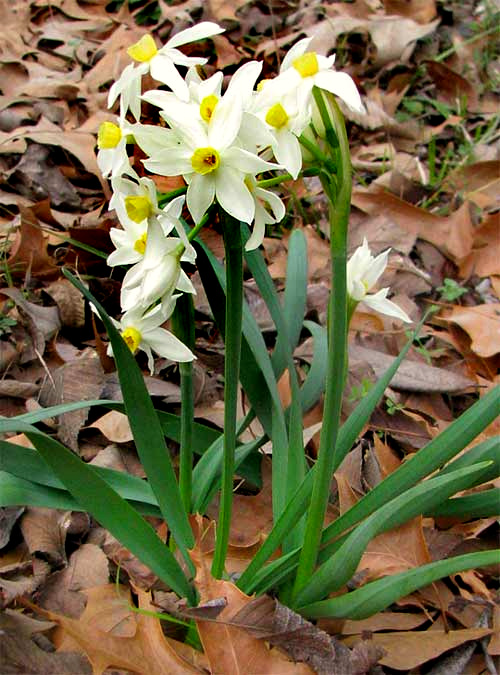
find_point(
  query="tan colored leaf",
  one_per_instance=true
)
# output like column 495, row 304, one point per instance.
column 105, row 633
column 397, row 550
column 44, row 531
column 230, row 649
column 421, row 11
column 412, row 375
column 225, row 9
column 484, row 259
column 74, row 381
column 451, row 86
column 478, row 182
column 482, row 323
column 70, row 302
column 407, row 650
column 252, row 515
column 115, row 426
column 451, row 234
column 20, row 654
column 269, row 620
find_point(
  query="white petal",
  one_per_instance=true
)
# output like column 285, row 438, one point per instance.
column 342, row 85
column 225, row 123
column 287, row 151
column 184, row 284
column 276, row 204
column 180, row 59
column 376, row 269
column 200, row 194
column 233, row 195
column 258, row 232
column 173, row 162
column 167, row 345
column 380, row 303
column 163, row 70
column 245, row 161
column 202, row 30
column 123, row 256
column 297, row 50
column 243, row 82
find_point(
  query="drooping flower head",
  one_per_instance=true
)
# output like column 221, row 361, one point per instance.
column 363, row 271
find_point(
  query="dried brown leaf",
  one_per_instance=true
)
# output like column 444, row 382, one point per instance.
column 110, row 634
column 230, row 649
column 44, row 531
column 482, row 323
column 407, row 650
column 74, row 381
column 412, row 375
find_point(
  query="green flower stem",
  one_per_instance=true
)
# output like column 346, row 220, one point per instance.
column 183, row 324
column 234, row 311
column 285, row 177
column 328, row 456
column 196, row 229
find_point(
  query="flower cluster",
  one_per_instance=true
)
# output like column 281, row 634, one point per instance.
column 218, row 142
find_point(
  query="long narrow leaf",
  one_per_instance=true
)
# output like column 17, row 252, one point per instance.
column 296, row 506
column 480, row 505
column 431, row 457
column 96, row 497
column 147, row 432
column 342, row 565
column 20, row 461
column 378, row 595
column 290, row 465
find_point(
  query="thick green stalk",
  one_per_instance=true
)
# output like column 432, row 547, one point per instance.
column 328, row 458
column 234, row 310
column 183, row 323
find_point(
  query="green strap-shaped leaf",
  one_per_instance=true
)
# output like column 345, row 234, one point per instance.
column 256, row 372
column 440, row 450
column 256, row 577
column 342, row 565
column 147, row 432
column 96, row 497
column 378, row 595
column 20, row 461
column 314, row 384
column 480, row 505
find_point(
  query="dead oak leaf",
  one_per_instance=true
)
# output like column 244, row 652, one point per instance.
column 482, row 324
column 110, row 634
column 231, row 649
column 408, row 650
column 453, row 234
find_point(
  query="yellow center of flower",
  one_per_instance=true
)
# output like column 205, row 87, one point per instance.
column 132, row 337
column 276, row 116
column 138, row 208
column 144, row 49
column 108, row 136
column 140, row 244
column 307, row 64
column 262, row 84
column 207, row 107
column 205, row 160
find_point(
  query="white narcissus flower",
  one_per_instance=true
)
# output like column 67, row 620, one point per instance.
column 286, row 121
column 161, row 63
column 143, row 332
column 112, row 157
column 263, row 216
column 363, row 271
column 301, row 70
column 210, row 162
